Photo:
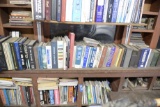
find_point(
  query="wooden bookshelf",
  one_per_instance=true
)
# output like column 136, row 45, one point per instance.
column 142, row 30
column 7, row 25
column 150, row 13
column 15, row 6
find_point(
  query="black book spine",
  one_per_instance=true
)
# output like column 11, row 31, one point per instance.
column 3, row 64
column 31, row 57
column 22, row 55
column 13, row 52
column 28, row 95
column 133, row 58
column 26, row 57
column 54, row 10
column 38, row 9
column 109, row 12
column 137, row 58
column 59, row 5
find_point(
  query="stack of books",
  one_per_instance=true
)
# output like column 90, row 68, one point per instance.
column 57, row 91
column 136, row 39
column 95, row 92
column 63, row 53
column 23, row 18
column 16, row 91
column 121, row 11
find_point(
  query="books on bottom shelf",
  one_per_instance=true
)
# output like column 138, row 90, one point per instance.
column 95, row 92
column 16, row 91
column 57, row 91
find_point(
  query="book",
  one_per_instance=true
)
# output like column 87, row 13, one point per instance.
column 99, row 11
column 49, row 55
column 63, row 12
column 54, row 10
column 38, row 9
column 115, row 10
column 54, row 53
column 69, row 7
column 58, row 10
column 76, row 10
column 56, row 96
column 48, row 9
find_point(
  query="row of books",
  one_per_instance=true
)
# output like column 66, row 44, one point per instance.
column 63, row 53
column 23, row 18
column 124, row 11
column 57, row 91
column 16, row 91
column 95, row 92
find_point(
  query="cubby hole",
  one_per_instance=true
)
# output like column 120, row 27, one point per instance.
column 151, row 5
column 17, row 91
column 156, row 85
column 136, row 83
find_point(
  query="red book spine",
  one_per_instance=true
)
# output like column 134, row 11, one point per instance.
column 2, row 97
column 63, row 14
column 70, row 94
column 48, row 9
column 72, row 38
column 56, row 96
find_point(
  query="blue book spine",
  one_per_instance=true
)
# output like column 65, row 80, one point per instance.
column 54, row 54
column 143, row 57
column 99, row 11
column 59, row 10
column 39, row 49
column 108, row 64
column 16, row 48
column 6, row 97
column 76, row 10
column 86, row 56
column 78, row 55
column 89, row 57
column 44, row 57
column 51, row 96
column 115, row 11
column 92, row 57
column 94, row 95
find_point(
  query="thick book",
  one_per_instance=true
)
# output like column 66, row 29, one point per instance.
column 57, row 96
column 3, row 64
column 54, row 10
column 115, row 10
column 51, row 96
column 31, row 54
column 49, row 55
column 48, row 9
column 150, row 58
column 36, row 55
column 102, row 57
column 69, row 6
column 58, row 10
column 63, row 12
column 92, row 57
column 70, row 94
column 111, row 55
column 39, row 50
column 99, row 11
column 21, row 50
column 107, row 55
column 44, row 56
column 54, row 53
column 155, row 58
column 76, row 10
column 86, row 55
column 38, row 9
column 109, row 12
column 124, row 54
column 60, row 54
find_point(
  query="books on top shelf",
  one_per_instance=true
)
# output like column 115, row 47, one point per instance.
column 115, row 11
column 63, row 53
column 16, row 91
column 65, row 91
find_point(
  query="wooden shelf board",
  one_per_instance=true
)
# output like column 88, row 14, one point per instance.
column 135, row 88
column 156, row 88
column 96, row 23
column 150, row 13
column 17, row 6
column 7, row 25
column 143, row 30
column 91, row 105
column 86, row 73
column 50, row 105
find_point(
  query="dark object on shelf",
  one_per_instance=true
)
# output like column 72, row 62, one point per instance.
column 150, row 23
column 158, row 44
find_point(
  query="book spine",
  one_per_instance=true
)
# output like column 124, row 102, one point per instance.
column 87, row 9
column 70, row 94
column 83, row 11
column 63, row 15
column 143, row 58
column 99, row 11
column 59, row 5
column 56, row 96
column 51, row 96
column 60, row 53
column 54, row 10
column 48, row 9
column 115, row 10
column 92, row 10
column 108, row 64
column 22, row 56
column 89, row 57
column 154, row 59
column 14, row 56
column 130, row 9
column 3, row 64
column 39, row 49
column 150, row 58
column 93, row 57
column 41, row 97
column 123, row 58
column 6, row 97
column 120, row 10
column 49, row 57
column 109, row 12
column 75, row 93
column 54, row 55
column 31, row 57
column 76, row 10
column 105, row 10
column 107, row 56
column 44, row 96
column 26, row 57
column 133, row 58
column 78, row 57
column 44, row 57
column 123, row 17
column 38, row 9
column 2, row 97
column 17, row 51
column 69, row 7
column 28, row 95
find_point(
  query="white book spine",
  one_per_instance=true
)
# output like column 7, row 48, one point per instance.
column 87, row 9
column 128, row 17
column 83, row 11
column 124, row 10
column 105, row 10
column 10, row 57
column 120, row 10
column 148, row 57
column 69, row 7
column 74, row 54
column 99, row 56
column 83, row 53
column 64, row 55
column 96, row 56
column 49, row 57
column 60, row 53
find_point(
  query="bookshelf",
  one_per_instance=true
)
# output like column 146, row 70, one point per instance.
column 117, row 75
